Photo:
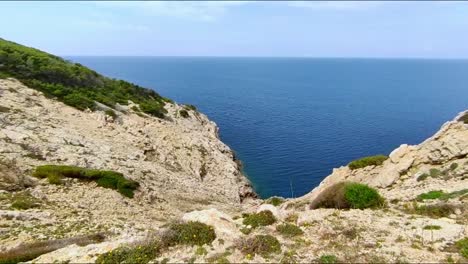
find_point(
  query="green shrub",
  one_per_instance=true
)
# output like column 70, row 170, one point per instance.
column 453, row 166
column 107, row 179
column 367, row 161
column 462, row 245
column 328, row 259
column 464, row 118
column 191, row 233
column 275, row 200
column 72, row 83
column 190, row 107
column 4, row 109
column 434, row 173
column 24, row 201
column 430, row 195
column 111, row 113
column 433, row 210
column 184, row 113
column 432, row 227
column 345, row 195
column 139, row 254
column 289, row 230
column 263, row 218
column 422, row 177
column 263, row 245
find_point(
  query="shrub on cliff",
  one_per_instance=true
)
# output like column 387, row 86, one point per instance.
column 263, row 245
column 367, row 161
column 289, row 230
column 138, row 254
column 183, row 113
column 107, row 179
column 72, row 83
column 263, row 218
column 190, row 233
column 348, row 195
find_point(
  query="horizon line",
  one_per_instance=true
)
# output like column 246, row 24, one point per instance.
column 271, row 57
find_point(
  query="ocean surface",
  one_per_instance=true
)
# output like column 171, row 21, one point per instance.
column 292, row 120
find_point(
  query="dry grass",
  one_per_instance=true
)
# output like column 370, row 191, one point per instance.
column 26, row 252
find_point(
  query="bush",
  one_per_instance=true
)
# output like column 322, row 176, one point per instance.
column 367, row 161
column 328, row 259
column 107, row 179
column 462, row 245
column 191, row 233
column 464, row 118
column 263, row 245
column 453, row 166
column 434, row 173
column 430, row 195
column 4, row 109
column 263, row 218
column 140, row 254
column 289, row 230
column 184, row 113
column 345, row 195
column 275, row 200
column 422, row 177
column 72, row 83
column 111, row 113
column 432, row 227
column 434, row 210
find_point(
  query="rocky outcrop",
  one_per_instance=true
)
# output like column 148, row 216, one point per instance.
column 180, row 163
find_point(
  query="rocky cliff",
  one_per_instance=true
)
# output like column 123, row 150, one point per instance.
column 194, row 205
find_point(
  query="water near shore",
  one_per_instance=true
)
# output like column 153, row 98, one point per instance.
column 292, row 120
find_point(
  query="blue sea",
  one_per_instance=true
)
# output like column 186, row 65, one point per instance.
column 292, row 120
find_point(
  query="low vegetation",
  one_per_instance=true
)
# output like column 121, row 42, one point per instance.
column 432, row 195
column 348, row 195
column 263, row 218
column 289, row 230
column 138, row 254
column 107, row 179
column 275, row 200
column 328, row 259
column 111, row 113
column 183, row 113
column 433, row 210
column 24, row 201
column 432, row 227
column 367, row 161
column 422, row 177
column 73, row 83
column 190, row 233
column 29, row 251
column 464, row 118
column 462, row 245
column 264, row 245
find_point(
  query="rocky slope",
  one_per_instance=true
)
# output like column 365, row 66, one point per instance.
column 180, row 164
column 187, row 174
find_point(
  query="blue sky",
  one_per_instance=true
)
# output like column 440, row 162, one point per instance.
column 243, row 28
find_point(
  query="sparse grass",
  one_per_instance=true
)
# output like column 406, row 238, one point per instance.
column 292, row 218
column 220, row 258
column 275, row 200
column 24, row 201
column 367, row 161
column 201, row 251
column 264, row 245
column 289, row 257
column 26, row 252
column 432, row 227
column 263, row 218
column 345, row 195
column 433, row 210
column 289, row 230
column 328, row 259
column 462, row 245
column 422, row 177
column 106, row 179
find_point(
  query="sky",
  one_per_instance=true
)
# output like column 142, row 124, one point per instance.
column 241, row 28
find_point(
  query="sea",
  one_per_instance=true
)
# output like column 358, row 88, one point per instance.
column 292, row 120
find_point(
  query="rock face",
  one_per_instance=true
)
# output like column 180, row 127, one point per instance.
column 180, row 163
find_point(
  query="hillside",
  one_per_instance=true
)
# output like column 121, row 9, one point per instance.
column 112, row 184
